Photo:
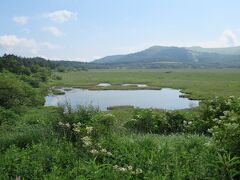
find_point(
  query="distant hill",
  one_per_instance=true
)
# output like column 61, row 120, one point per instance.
column 176, row 57
column 152, row 54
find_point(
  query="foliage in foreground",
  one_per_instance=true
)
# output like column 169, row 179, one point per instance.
column 219, row 118
column 86, row 143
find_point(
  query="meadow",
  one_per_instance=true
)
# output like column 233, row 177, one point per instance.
column 198, row 84
column 123, row 143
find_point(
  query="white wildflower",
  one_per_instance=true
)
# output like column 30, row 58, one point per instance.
column 60, row 123
column 138, row 171
column 67, row 125
column 138, row 116
column 103, row 150
column 109, row 153
column 115, row 166
column 123, row 169
column 86, row 138
column 89, row 129
column 130, row 168
column 77, row 130
column 87, row 141
column 94, row 151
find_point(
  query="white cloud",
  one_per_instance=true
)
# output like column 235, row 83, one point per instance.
column 24, row 46
column 22, row 20
column 229, row 38
column 53, row 30
column 60, row 16
column 9, row 40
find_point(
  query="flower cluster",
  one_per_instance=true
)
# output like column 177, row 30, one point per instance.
column 66, row 125
column 129, row 169
column 89, row 129
column 79, row 130
column 100, row 151
column 87, row 141
column 76, row 127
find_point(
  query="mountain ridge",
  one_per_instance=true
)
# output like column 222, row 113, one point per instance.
column 189, row 56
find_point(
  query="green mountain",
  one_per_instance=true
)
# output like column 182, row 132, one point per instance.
column 176, row 57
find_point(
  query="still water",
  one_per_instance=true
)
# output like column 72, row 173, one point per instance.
column 162, row 99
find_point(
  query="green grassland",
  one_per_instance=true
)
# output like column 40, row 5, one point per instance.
column 39, row 142
column 198, row 84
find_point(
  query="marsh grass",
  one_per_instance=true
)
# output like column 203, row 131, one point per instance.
column 199, row 84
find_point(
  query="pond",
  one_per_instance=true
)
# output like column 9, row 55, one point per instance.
column 161, row 99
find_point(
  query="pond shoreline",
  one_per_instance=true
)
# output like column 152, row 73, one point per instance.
column 185, row 94
column 106, row 98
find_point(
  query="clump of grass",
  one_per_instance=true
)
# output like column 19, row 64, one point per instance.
column 58, row 92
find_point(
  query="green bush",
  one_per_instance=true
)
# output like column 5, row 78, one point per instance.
column 31, row 80
column 171, row 122
column 73, row 123
column 8, row 116
column 144, row 120
column 82, row 114
column 103, row 125
column 215, row 109
column 14, row 92
column 150, row 121
column 220, row 118
column 226, row 132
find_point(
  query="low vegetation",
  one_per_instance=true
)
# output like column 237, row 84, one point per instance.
column 198, row 84
column 123, row 143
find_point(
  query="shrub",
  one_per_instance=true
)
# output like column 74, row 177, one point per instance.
column 82, row 114
column 215, row 109
column 14, row 92
column 8, row 116
column 144, row 120
column 226, row 132
column 149, row 121
column 76, row 124
column 103, row 125
column 220, row 118
column 171, row 122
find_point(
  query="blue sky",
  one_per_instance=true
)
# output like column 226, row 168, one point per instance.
column 88, row 29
